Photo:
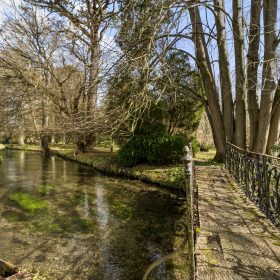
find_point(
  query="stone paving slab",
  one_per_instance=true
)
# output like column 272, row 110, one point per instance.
column 235, row 240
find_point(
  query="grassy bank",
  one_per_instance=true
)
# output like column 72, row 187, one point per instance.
column 101, row 159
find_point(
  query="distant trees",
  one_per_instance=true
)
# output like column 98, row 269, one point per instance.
column 86, row 23
column 228, row 97
column 165, row 61
column 35, row 72
column 30, row 45
column 57, row 70
column 153, row 89
column 170, row 96
column 179, row 88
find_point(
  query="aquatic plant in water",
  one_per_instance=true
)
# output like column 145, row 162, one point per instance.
column 45, row 188
column 27, row 201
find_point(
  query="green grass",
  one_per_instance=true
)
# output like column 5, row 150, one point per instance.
column 274, row 237
column 171, row 175
column 205, row 158
column 26, row 147
column 28, row 202
column 276, row 240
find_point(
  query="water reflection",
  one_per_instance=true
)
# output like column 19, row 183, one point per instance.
column 71, row 223
column 102, row 208
column 45, row 170
column 64, row 170
column 111, row 270
column 53, row 167
column 86, row 206
column 21, row 160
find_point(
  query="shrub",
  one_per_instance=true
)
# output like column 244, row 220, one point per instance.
column 156, row 150
column 165, row 149
column 6, row 140
column 195, row 146
column 205, row 147
column 132, row 153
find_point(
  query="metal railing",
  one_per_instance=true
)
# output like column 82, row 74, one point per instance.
column 259, row 174
column 187, row 227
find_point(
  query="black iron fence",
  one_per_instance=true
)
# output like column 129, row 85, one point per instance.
column 259, row 174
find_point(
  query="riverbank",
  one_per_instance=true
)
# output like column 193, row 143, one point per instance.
column 10, row 272
column 104, row 161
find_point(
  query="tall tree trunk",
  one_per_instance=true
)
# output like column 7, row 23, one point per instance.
column 88, row 138
column 21, row 137
column 93, row 75
column 53, row 139
column 37, row 133
column 240, row 109
column 45, row 137
column 224, row 69
column 203, row 61
column 252, row 69
column 274, row 131
column 268, row 75
column 63, row 139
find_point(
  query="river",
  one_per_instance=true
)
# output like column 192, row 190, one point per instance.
column 69, row 222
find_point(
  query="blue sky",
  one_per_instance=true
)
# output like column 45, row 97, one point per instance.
column 184, row 44
column 208, row 19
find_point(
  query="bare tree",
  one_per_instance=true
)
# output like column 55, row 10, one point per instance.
column 225, row 79
column 240, row 82
column 268, row 75
column 263, row 115
column 203, row 61
column 87, row 22
column 252, row 69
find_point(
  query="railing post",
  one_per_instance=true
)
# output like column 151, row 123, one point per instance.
column 247, row 174
column 189, row 171
column 226, row 155
column 265, row 190
column 260, row 174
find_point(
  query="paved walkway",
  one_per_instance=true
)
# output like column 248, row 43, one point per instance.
column 236, row 241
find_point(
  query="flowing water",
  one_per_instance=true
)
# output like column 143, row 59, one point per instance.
column 68, row 222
